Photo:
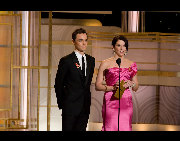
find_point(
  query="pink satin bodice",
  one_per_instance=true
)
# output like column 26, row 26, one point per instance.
column 112, row 74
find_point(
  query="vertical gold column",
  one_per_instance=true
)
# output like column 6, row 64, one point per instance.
column 28, row 77
column 24, row 62
column 124, row 21
column 133, row 21
column 11, row 64
column 20, row 63
column 49, row 71
column 158, row 69
column 39, row 53
column 142, row 21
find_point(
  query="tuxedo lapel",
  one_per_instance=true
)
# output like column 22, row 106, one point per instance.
column 87, row 68
column 77, row 65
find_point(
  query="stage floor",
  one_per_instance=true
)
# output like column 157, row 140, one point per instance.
column 138, row 127
column 135, row 127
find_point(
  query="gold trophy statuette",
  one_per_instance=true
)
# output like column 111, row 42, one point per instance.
column 122, row 89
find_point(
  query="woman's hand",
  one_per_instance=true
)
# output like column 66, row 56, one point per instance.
column 116, row 86
column 128, row 83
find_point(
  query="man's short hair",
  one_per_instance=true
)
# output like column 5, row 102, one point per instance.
column 78, row 31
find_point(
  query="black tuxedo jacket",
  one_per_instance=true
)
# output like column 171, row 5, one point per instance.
column 72, row 91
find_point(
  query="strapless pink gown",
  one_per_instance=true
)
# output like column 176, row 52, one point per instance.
column 111, row 104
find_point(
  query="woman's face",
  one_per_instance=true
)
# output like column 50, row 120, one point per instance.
column 120, row 48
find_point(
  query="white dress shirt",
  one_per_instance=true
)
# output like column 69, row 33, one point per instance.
column 79, row 56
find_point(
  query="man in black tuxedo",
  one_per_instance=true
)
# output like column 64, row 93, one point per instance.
column 72, row 84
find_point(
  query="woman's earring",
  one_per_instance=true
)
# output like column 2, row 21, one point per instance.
column 125, row 53
column 113, row 51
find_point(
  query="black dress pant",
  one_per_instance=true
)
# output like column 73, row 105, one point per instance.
column 75, row 123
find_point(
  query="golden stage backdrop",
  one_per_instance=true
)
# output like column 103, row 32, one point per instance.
column 29, row 54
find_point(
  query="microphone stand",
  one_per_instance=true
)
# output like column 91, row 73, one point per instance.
column 119, row 98
column 118, row 61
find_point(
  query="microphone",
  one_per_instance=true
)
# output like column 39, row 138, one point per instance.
column 118, row 61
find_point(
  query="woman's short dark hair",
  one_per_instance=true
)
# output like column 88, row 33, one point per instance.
column 78, row 31
column 120, row 37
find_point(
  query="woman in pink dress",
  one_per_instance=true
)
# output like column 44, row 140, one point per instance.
column 109, row 70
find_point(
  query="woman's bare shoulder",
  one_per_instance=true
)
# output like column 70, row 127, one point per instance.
column 129, row 62
column 107, row 62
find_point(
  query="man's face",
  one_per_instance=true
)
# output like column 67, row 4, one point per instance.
column 80, row 42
